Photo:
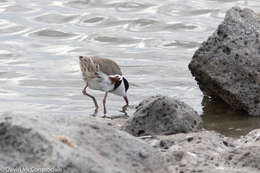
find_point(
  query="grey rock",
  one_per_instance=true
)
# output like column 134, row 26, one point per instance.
column 193, row 152
column 243, row 157
column 251, row 139
column 208, row 152
column 227, row 65
column 246, row 154
column 162, row 115
column 88, row 146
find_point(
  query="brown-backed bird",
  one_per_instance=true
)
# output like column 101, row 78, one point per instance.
column 104, row 75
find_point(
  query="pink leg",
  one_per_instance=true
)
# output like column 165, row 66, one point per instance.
column 104, row 103
column 126, row 100
column 93, row 98
column 84, row 92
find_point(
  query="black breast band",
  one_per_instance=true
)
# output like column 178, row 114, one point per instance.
column 117, row 84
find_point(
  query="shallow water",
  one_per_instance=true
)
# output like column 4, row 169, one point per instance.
column 153, row 42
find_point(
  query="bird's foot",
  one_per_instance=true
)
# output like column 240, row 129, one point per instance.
column 105, row 116
column 125, row 114
column 124, row 108
column 95, row 112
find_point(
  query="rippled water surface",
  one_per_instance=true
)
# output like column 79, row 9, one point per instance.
column 152, row 40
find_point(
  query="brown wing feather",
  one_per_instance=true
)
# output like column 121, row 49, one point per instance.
column 107, row 66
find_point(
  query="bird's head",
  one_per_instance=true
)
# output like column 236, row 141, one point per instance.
column 119, row 80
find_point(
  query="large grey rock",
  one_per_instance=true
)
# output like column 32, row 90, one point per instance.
column 87, row 146
column 227, row 65
column 162, row 115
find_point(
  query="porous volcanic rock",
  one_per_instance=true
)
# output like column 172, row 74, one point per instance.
column 162, row 115
column 73, row 144
column 208, row 152
column 227, row 65
column 246, row 157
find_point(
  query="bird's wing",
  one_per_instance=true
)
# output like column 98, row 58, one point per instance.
column 108, row 66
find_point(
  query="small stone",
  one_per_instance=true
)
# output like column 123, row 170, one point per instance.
column 225, row 143
column 189, row 138
column 163, row 144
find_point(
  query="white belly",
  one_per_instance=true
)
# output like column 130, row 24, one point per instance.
column 100, row 84
column 103, row 83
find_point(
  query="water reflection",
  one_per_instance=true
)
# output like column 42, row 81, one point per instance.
column 53, row 34
column 81, row 4
column 55, row 18
column 129, row 6
column 217, row 115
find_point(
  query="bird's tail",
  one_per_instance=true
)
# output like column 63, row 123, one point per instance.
column 88, row 67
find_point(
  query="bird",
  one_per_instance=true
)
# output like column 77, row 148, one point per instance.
column 104, row 75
